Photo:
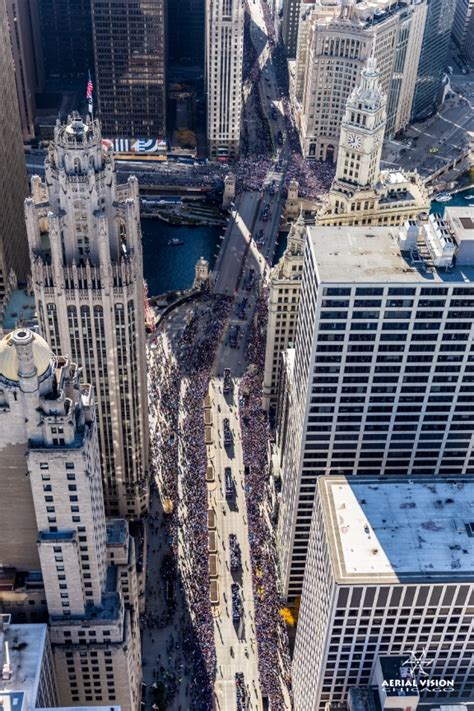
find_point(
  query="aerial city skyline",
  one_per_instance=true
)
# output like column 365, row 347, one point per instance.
column 236, row 355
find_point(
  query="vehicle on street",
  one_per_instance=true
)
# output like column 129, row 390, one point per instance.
column 242, row 307
column 227, row 432
column 250, row 279
column 235, row 553
column 236, row 603
column 241, row 693
column 229, row 483
column 227, row 381
column 234, row 336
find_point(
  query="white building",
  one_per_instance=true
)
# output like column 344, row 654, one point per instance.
column 224, row 57
column 88, row 568
column 28, row 680
column 382, row 379
column 362, row 194
column 28, row 676
column 85, row 246
column 283, row 301
column 390, row 572
column 336, row 42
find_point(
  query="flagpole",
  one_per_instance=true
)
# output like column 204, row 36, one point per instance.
column 89, row 97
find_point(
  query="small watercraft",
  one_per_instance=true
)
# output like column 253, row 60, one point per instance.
column 174, row 242
column 442, row 197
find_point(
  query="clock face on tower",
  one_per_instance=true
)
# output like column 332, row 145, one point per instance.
column 354, row 141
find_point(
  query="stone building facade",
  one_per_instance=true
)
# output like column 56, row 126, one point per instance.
column 88, row 566
column 224, row 61
column 336, row 42
column 362, row 194
column 87, row 268
column 283, row 302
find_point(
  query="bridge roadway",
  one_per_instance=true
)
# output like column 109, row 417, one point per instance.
column 242, row 230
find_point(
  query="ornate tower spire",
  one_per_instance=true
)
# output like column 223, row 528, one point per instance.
column 362, row 130
column 87, row 269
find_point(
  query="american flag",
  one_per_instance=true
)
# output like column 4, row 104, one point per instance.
column 89, row 90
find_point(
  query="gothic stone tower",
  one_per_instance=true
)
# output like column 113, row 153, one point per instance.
column 85, row 247
column 362, row 131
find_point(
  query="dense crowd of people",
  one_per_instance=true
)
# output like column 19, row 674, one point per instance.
column 193, row 527
column 270, row 631
column 179, row 383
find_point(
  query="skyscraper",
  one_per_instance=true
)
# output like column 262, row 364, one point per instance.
column 463, row 28
column 92, row 606
column 382, row 379
column 361, row 194
column 289, row 26
column 339, row 39
column 283, row 303
column 433, row 56
column 224, row 56
column 130, row 79
column 14, row 261
column 66, row 29
column 390, row 573
column 186, row 33
column 85, row 244
column 25, row 34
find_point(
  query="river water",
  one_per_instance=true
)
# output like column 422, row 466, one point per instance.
column 458, row 200
column 169, row 267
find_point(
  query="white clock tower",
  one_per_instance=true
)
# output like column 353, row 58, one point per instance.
column 362, row 131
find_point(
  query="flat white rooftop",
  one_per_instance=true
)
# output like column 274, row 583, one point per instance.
column 369, row 255
column 390, row 530
column 461, row 219
column 26, row 645
column 394, row 177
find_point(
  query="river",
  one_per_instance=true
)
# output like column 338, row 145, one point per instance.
column 170, row 267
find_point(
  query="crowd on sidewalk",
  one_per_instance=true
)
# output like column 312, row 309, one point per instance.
column 180, row 475
column 274, row 660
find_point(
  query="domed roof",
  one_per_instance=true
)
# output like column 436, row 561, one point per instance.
column 42, row 354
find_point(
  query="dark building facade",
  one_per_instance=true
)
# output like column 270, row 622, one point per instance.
column 66, row 29
column 289, row 26
column 130, row 52
column 186, row 33
column 433, row 56
column 13, row 181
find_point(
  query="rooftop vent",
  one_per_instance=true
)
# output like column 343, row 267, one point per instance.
column 470, row 529
column 7, row 667
column 5, row 621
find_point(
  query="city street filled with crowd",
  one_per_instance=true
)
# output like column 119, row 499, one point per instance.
column 274, row 662
column 178, row 381
column 179, row 616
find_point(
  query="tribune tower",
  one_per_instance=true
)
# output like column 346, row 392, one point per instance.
column 87, row 268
